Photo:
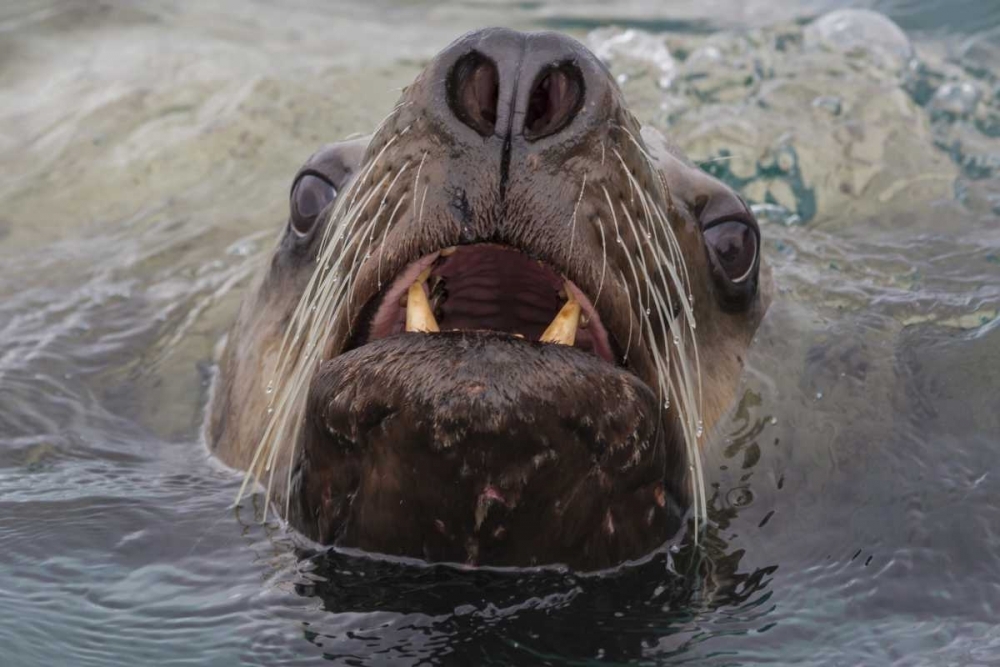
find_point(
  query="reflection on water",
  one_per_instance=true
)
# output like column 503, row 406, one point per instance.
column 147, row 150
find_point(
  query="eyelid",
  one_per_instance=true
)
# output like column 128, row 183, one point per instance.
column 309, row 171
column 731, row 214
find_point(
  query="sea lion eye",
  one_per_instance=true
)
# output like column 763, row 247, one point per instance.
column 310, row 195
column 733, row 244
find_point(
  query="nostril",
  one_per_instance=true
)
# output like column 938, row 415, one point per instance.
column 556, row 98
column 473, row 89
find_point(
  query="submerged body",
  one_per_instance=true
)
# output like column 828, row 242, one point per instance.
column 498, row 331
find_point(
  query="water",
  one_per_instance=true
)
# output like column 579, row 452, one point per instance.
column 146, row 152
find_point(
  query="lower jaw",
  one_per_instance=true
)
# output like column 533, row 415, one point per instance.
column 482, row 449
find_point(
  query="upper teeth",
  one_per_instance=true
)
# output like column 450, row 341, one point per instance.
column 563, row 327
column 420, row 317
column 418, row 309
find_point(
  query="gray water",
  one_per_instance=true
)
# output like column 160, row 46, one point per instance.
column 146, row 151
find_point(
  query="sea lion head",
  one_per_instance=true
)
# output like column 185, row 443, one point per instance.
column 496, row 331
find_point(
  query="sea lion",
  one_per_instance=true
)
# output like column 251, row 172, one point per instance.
column 496, row 331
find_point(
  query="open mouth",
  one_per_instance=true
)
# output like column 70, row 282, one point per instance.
column 487, row 288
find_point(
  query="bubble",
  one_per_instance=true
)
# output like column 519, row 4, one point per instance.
column 956, row 99
column 741, row 496
column 861, row 31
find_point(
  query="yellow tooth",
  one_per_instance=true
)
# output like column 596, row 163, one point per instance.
column 419, row 316
column 447, row 252
column 563, row 327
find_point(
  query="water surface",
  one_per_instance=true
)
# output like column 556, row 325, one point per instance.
column 147, row 151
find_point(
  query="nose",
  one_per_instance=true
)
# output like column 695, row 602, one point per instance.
column 511, row 84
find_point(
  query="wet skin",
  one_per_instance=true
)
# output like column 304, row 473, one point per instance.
column 500, row 384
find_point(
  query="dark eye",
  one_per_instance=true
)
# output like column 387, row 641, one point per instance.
column 310, row 196
column 734, row 245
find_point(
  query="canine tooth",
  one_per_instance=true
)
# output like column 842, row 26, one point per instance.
column 563, row 327
column 418, row 310
column 584, row 320
column 447, row 252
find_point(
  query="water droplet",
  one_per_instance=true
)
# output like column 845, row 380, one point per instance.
column 701, row 429
column 270, row 387
column 270, row 411
column 819, row 395
column 741, row 496
column 677, row 340
column 648, row 311
column 691, row 299
column 774, row 420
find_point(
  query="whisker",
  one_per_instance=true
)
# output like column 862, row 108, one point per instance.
column 721, row 158
column 604, row 260
column 323, row 299
column 572, row 233
column 684, row 379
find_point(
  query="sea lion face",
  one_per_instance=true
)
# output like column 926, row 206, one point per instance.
column 495, row 332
